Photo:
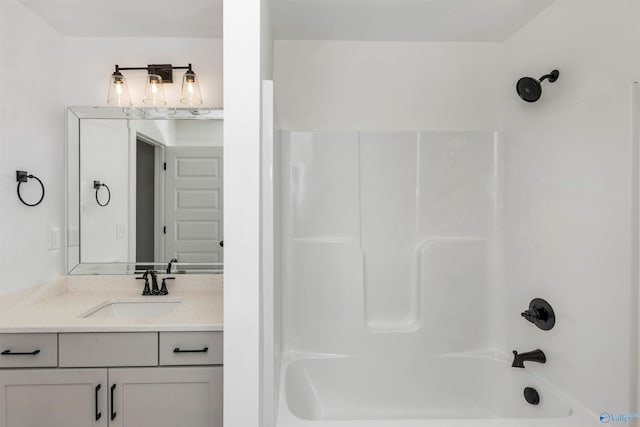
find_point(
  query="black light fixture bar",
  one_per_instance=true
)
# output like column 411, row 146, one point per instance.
column 165, row 71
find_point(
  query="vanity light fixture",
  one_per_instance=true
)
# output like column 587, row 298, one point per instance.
column 191, row 95
column 157, row 75
column 153, row 91
column 118, row 90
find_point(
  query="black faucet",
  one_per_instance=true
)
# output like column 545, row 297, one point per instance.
column 530, row 356
column 155, row 290
column 154, row 280
column 154, row 283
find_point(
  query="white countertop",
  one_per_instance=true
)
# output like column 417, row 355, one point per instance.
column 59, row 306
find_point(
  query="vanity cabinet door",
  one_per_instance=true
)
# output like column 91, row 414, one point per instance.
column 166, row 397
column 53, row 398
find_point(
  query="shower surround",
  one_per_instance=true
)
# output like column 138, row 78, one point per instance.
column 399, row 251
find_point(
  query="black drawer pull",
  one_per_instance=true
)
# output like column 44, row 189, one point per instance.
column 203, row 350
column 113, row 413
column 98, row 413
column 11, row 353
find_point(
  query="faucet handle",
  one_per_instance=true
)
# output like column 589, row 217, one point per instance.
column 531, row 315
column 163, row 290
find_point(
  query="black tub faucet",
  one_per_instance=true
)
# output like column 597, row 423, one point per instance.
column 531, row 356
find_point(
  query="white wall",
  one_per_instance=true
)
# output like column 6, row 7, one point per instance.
column 242, row 135
column 568, row 231
column 266, row 41
column 270, row 288
column 386, row 86
column 32, row 129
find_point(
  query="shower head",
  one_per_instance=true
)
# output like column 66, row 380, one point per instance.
column 530, row 89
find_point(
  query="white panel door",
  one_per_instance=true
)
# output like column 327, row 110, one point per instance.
column 193, row 206
column 166, row 397
column 53, row 398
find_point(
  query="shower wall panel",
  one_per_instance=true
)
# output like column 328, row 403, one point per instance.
column 570, row 219
column 457, row 184
column 388, row 236
column 388, row 219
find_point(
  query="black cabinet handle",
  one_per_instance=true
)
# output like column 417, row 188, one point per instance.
column 98, row 413
column 203, row 350
column 113, row 413
column 11, row 353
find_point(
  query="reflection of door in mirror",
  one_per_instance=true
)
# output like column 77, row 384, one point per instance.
column 193, row 207
column 145, row 200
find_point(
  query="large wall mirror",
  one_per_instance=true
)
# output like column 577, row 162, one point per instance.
column 144, row 189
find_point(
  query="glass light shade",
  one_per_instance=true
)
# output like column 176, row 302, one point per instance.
column 191, row 95
column 154, row 92
column 119, row 91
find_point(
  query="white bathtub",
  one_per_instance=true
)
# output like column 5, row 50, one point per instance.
column 452, row 390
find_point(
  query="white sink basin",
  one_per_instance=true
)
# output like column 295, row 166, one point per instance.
column 132, row 309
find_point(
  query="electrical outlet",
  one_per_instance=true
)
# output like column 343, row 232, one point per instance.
column 121, row 231
column 54, row 239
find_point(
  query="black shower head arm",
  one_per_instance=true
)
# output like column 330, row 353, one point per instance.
column 552, row 76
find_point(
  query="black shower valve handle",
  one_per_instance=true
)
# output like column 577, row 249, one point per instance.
column 540, row 313
column 531, row 315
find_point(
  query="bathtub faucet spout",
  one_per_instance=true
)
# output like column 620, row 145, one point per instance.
column 530, row 356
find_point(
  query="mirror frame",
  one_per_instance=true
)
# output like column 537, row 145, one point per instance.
column 73, row 264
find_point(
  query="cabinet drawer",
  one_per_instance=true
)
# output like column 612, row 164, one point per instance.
column 108, row 349
column 28, row 350
column 190, row 348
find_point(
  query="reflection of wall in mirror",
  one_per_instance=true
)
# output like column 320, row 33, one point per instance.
column 191, row 133
column 199, row 133
column 104, row 229
column 160, row 131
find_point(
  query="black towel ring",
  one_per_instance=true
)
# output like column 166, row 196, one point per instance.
column 23, row 176
column 96, row 186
